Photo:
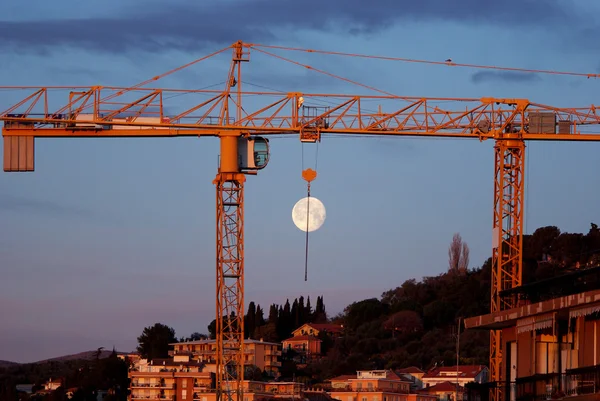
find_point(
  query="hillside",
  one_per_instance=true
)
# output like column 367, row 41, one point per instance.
column 85, row 356
column 7, row 364
column 415, row 323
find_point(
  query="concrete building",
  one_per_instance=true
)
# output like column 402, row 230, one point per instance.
column 446, row 391
column 463, row 375
column 550, row 347
column 305, row 345
column 262, row 354
column 306, row 342
column 374, row 385
column 183, row 379
column 313, row 329
column 170, row 379
column 414, row 375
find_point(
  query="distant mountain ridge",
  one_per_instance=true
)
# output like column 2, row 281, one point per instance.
column 86, row 355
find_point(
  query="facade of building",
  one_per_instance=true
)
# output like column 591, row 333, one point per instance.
column 172, row 379
column 462, row 375
column 550, row 348
column 374, row 385
column 306, row 342
column 414, row 375
column 262, row 354
column 183, row 379
column 313, row 329
column 446, row 391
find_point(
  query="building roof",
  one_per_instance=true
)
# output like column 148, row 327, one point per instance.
column 342, row 378
column 445, row 386
column 389, row 375
column 410, row 369
column 464, row 371
column 302, row 338
column 509, row 317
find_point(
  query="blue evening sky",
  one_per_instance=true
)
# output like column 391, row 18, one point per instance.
column 109, row 236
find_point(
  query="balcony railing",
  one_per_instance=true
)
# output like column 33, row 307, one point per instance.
column 552, row 386
column 366, row 389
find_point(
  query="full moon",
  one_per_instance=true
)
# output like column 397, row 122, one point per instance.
column 316, row 214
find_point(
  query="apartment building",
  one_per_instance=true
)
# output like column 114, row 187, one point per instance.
column 374, row 385
column 169, row 379
column 305, row 340
column 313, row 329
column 262, row 354
column 550, row 347
column 414, row 375
column 182, row 379
column 462, row 375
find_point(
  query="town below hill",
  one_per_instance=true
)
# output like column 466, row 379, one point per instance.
column 412, row 325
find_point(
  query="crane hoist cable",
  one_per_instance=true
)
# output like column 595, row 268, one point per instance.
column 308, row 175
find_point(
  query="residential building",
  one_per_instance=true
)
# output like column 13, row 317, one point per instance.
column 550, row 346
column 53, row 384
column 313, row 329
column 414, row 375
column 306, row 342
column 374, row 385
column 446, row 391
column 462, row 375
column 183, row 379
column 262, row 354
column 180, row 379
column 305, row 345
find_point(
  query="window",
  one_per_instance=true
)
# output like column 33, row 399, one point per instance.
column 183, row 394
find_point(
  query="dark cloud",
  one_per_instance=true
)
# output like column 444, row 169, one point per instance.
column 504, row 76
column 11, row 203
column 192, row 26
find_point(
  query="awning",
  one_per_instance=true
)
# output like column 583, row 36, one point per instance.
column 538, row 322
column 584, row 311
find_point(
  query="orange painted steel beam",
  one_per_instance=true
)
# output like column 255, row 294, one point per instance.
column 507, row 242
column 486, row 118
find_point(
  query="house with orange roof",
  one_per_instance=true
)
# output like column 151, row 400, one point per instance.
column 412, row 374
column 306, row 342
column 374, row 385
column 446, row 391
column 313, row 329
column 462, row 375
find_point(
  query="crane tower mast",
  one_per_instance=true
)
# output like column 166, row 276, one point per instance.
column 113, row 112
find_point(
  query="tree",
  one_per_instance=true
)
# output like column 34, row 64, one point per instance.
column 458, row 255
column 195, row 336
column 250, row 320
column 154, row 341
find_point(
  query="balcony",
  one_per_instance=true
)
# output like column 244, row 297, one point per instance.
column 553, row 386
column 349, row 389
column 152, row 385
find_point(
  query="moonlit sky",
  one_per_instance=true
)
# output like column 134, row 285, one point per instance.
column 109, row 236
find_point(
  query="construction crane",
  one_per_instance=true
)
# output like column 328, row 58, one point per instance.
column 138, row 111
